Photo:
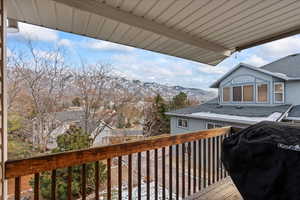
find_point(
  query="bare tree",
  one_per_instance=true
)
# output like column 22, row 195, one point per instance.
column 44, row 74
column 92, row 83
column 14, row 81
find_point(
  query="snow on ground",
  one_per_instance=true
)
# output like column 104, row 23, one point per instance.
column 135, row 193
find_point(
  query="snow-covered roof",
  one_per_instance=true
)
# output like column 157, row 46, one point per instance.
column 231, row 113
column 237, row 119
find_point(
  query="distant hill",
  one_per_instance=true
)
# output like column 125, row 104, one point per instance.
column 146, row 89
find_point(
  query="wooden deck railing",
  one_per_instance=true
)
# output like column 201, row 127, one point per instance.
column 196, row 157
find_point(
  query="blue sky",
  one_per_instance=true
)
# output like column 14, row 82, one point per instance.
column 145, row 65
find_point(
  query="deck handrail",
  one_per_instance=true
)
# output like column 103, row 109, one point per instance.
column 23, row 167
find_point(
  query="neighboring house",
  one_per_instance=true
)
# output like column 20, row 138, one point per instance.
column 59, row 122
column 247, row 95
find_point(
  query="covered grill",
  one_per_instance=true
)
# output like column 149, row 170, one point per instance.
column 263, row 161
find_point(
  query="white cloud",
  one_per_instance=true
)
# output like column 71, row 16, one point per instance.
column 255, row 61
column 281, row 48
column 212, row 69
column 108, row 46
column 36, row 33
column 65, row 42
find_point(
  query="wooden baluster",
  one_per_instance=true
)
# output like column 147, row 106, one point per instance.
column 218, row 158
column 139, row 176
column 194, row 169
column 163, row 173
column 213, row 159
column 200, row 164
column 189, row 168
column 183, row 170
column 53, row 185
column 109, row 179
column 69, row 184
column 18, row 188
column 148, row 174
column 156, row 173
column 83, row 181
column 209, row 161
column 120, row 177
column 97, row 180
column 226, row 172
column 177, row 171
column 130, row 177
column 36, row 186
column 170, row 172
column 222, row 166
column 204, row 163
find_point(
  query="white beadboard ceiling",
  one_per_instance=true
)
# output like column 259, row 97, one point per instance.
column 205, row 31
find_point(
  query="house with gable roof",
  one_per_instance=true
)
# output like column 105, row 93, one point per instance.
column 247, row 95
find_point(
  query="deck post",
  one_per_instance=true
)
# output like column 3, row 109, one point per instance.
column 3, row 104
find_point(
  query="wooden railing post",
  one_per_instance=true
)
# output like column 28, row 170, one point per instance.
column 3, row 105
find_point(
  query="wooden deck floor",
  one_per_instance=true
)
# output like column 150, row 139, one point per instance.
column 224, row 189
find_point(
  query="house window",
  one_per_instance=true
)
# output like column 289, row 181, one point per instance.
column 279, row 92
column 226, row 94
column 237, row 93
column 182, row 123
column 262, row 93
column 211, row 125
column 248, row 93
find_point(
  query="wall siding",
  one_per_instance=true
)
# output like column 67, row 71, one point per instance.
column 197, row 124
column 292, row 92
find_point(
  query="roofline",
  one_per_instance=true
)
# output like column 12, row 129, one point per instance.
column 216, row 84
column 212, row 118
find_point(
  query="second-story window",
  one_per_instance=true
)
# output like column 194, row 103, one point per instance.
column 237, row 93
column 248, row 93
column 262, row 93
column 182, row 123
column 279, row 92
column 226, row 94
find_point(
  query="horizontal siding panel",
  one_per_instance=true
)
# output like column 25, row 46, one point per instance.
column 221, row 19
column 246, row 17
column 216, row 14
column 200, row 15
column 27, row 10
column 175, row 8
column 65, row 14
column 266, row 18
column 289, row 18
column 159, row 8
column 186, row 12
column 47, row 12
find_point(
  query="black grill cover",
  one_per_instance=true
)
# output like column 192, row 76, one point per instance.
column 263, row 161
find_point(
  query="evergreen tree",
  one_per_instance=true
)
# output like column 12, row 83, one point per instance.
column 76, row 101
column 74, row 139
column 179, row 101
column 156, row 121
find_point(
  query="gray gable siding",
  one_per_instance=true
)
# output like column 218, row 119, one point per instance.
column 198, row 124
column 292, row 92
column 247, row 76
